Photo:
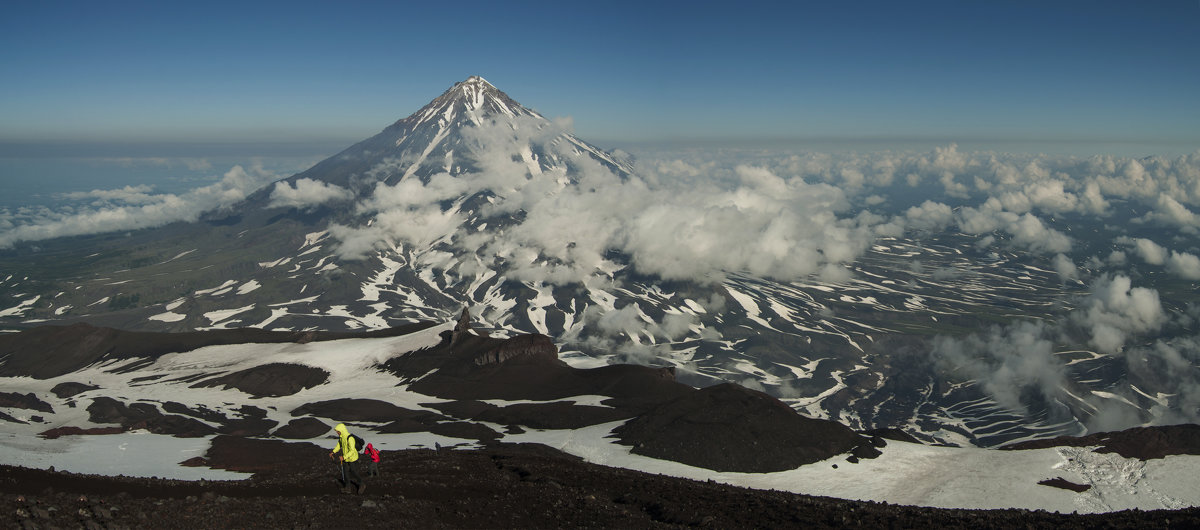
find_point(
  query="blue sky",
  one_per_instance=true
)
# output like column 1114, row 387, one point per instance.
column 124, row 75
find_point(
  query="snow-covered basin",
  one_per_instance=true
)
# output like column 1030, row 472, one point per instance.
column 943, row 477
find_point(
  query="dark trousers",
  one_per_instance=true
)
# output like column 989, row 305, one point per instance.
column 372, row 469
column 350, row 473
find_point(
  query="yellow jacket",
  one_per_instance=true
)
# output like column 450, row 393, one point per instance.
column 345, row 444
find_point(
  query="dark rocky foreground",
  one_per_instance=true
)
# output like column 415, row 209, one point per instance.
column 523, row 486
column 503, row 486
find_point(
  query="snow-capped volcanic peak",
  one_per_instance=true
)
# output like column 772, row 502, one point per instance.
column 450, row 134
column 472, row 100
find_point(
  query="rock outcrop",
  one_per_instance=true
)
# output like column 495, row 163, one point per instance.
column 532, row 349
column 273, row 380
column 28, row 401
column 731, row 428
column 1143, row 443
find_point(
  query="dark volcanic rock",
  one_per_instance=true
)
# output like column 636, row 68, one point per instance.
column 454, row 429
column 109, row 410
column 462, row 408
column 532, row 349
column 24, row 401
column 145, row 416
column 866, row 450
column 50, row 351
column 1059, row 482
column 555, row 415
column 469, row 367
column 236, row 453
column 462, row 329
column 731, row 428
column 1143, row 443
column 270, row 380
column 302, row 429
column 201, row 412
column 172, row 424
column 528, row 373
column 68, row 389
column 465, row 430
column 252, row 421
column 508, row 486
column 75, row 431
column 248, row 427
column 892, row 434
column 559, row 415
column 349, row 409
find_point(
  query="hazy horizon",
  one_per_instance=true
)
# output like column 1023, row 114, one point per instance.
column 228, row 74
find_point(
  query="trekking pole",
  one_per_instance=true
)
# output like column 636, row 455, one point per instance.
column 340, row 467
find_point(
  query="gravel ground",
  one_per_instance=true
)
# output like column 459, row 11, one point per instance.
column 511, row 486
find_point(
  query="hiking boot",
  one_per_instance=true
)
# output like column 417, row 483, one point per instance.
column 362, row 488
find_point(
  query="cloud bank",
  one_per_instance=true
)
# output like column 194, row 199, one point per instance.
column 1019, row 364
column 306, row 194
column 698, row 215
column 130, row 208
column 561, row 228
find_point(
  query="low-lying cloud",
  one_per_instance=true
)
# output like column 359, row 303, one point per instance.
column 131, row 208
column 1014, row 362
column 306, row 193
column 1115, row 310
column 676, row 228
column 781, row 216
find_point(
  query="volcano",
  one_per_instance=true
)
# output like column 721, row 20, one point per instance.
column 477, row 201
column 438, row 139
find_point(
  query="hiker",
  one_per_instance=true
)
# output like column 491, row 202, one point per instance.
column 373, row 464
column 346, row 453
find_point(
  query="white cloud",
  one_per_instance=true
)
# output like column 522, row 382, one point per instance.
column 1184, row 265
column 1027, row 230
column 142, row 194
column 1005, row 361
column 1065, row 268
column 930, row 215
column 1115, row 311
column 674, row 225
column 1149, row 251
column 1171, row 212
column 147, row 211
column 306, row 193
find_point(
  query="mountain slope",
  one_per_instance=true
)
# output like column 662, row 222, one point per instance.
column 187, row 410
column 447, row 380
column 477, row 200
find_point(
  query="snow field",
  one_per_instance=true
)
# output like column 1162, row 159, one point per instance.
column 943, row 477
